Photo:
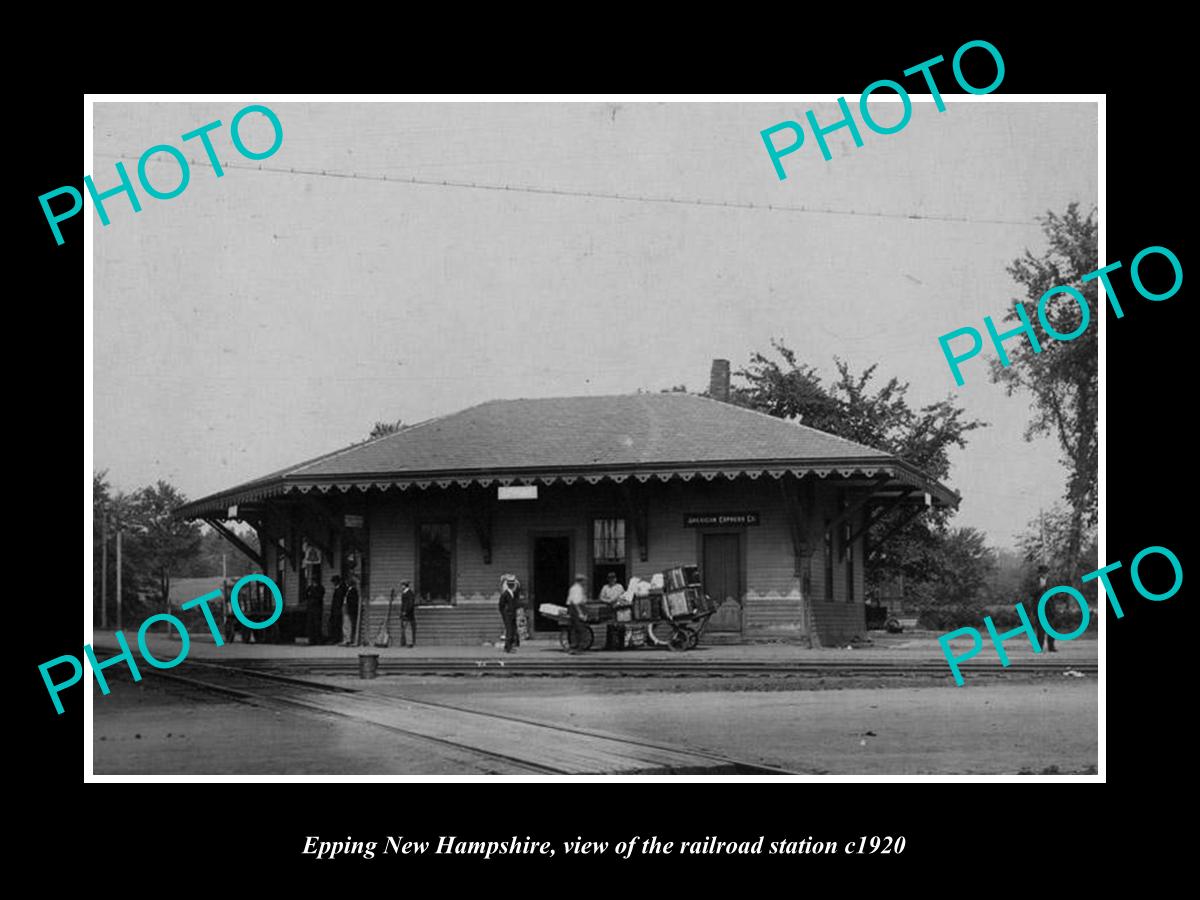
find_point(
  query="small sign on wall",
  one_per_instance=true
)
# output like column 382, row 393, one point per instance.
column 708, row 520
column 517, row 492
column 352, row 521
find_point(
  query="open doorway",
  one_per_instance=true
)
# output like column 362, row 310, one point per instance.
column 552, row 575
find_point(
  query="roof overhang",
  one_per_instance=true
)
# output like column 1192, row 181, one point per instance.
column 887, row 477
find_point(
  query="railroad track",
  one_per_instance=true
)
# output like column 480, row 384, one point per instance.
column 575, row 668
column 519, row 745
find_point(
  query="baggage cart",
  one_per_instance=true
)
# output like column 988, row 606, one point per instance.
column 673, row 617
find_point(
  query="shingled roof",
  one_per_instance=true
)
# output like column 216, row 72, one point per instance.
column 530, row 440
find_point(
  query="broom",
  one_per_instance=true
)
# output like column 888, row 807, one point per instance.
column 384, row 638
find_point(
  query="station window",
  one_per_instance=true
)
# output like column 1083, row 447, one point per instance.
column 435, row 562
column 608, row 540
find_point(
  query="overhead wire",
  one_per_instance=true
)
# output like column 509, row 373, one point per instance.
column 596, row 195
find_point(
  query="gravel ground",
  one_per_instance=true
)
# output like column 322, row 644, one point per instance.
column 1035, row 725
column 159, row 727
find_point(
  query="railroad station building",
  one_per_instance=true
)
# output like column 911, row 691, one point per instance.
column 774, row 513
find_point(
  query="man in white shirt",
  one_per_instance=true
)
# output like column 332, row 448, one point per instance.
column 612, row 591
column 576, row 597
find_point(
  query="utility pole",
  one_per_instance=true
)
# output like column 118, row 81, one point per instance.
column 104, row 571
column 118, row 578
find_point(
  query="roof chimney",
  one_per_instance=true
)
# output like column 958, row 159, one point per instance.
column 718, row 380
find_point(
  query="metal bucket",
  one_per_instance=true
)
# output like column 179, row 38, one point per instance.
column 368, row 665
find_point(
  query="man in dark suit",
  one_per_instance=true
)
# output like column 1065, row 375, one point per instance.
column 335, row 610
column 315, row 597
column 408, row 615
column 509, row 601
column 352, row 608
column 1044, row 638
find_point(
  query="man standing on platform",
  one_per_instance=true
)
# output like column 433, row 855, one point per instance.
column 230, row 618
column 352, row 609
column 335, row 610
column 614, row 635
column 508, row 611
column 408, row 615
column 315, row 597
column 575, row 600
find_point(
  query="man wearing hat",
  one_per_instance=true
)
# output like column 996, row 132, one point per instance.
column 1044, row 638
column 613, row 590
column 335, row 610
column 510, row 591
column 576, row 597
column 611, row 593
column 351, row 602
column 314, row 595
column 408, row 614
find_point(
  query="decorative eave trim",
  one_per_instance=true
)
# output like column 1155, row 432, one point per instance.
column 894, row 469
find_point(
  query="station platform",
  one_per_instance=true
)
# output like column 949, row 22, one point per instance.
column 917, row 648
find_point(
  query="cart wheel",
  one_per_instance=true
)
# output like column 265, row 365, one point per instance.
column 564, row 638
column 693, row 639
column 659, row 633
column 679, row 640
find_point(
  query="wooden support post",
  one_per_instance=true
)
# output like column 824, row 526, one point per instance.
column 315, row 532
column 232, row 537
column 795, row 517
column 851, row 510
column 636, row 509
column 478, row 507
column 319, row 526
column 271, row 531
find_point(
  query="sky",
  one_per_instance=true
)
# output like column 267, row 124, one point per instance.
column 265, row 317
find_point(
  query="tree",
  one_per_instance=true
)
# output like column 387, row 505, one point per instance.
column 102, row 501
column 1051, row 540
column 381, row 429
column 207, row 560
column 113, row 506
column 854, row 408
column 961, row 582
column 794, row 392
column 965, row 567
column 1009, row 582
column 1063, row 377
column 160, row 544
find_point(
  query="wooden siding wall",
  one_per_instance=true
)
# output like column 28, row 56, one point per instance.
column 772, row 605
